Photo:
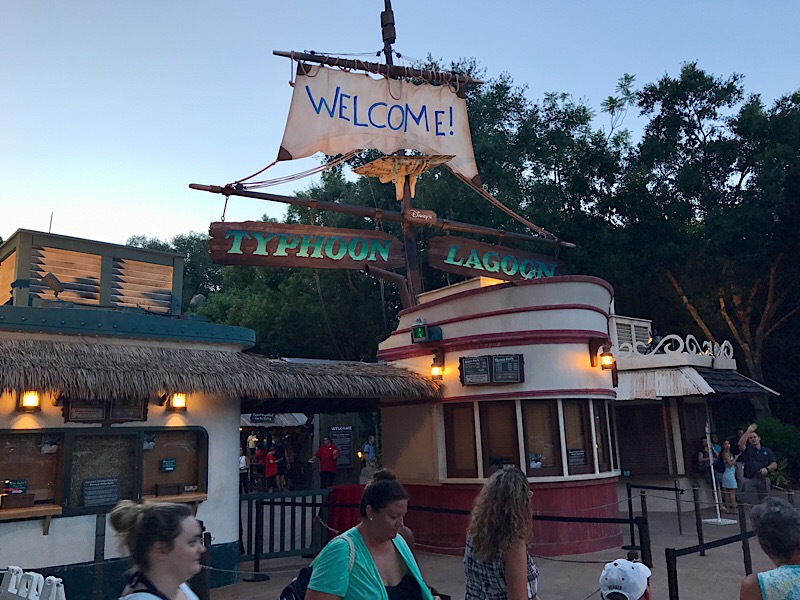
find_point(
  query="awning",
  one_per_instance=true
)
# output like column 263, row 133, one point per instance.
column 272, row 420
column 654, row 384
column 103, row 370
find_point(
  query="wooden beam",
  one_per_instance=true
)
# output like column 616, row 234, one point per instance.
column 379, row 214
column 388, row 70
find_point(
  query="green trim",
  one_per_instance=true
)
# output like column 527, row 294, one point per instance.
column 127, row 323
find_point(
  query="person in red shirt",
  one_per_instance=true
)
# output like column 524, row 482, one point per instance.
column 327, row 455
column 271, row 469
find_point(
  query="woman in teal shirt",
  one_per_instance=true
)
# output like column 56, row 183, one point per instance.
column 776, row 523
column 383, row 566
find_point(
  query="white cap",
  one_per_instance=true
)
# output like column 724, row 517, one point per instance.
column 624, row 577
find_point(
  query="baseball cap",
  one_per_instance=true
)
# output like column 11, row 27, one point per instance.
column 624, row 577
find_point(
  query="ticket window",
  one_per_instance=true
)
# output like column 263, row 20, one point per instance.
column 601, row 432
column 459, row 426
column 580, row 457
column 499, row 437
column 30, row 465
column 542, row 438
column 88, row 472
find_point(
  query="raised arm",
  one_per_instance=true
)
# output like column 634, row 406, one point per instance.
column 746, row 435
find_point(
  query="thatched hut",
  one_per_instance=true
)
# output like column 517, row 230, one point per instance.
column 107, row 393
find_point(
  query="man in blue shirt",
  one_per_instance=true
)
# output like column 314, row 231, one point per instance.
column 759, row 462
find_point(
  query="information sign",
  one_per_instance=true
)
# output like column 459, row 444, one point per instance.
column 507, row 368
column 262, row 418
column 127, row 409
column 86, row 410
column 168, row 464
column 103, row 491
column 576, row 458
column 474, row 370
column 342, row 438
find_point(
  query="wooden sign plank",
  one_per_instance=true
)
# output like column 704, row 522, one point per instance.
column 282, row 245
column 468, row 257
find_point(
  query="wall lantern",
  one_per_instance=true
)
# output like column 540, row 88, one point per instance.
column 437, row 366
column 607, row 359
column 177, row 402
column 29, row 402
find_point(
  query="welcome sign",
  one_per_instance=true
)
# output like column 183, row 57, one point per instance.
column 335, row 112
column 257, row 243
column 468, row 257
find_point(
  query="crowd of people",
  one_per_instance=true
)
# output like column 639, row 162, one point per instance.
column 740, row 466
column 375, row 559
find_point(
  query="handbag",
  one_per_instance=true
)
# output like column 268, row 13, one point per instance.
column 296, row 590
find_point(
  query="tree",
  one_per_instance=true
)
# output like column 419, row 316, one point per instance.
column 712, row 183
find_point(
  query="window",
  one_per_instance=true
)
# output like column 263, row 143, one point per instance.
column 499, row 436
column 459, row 433
column 542, row 438
column 31, row 461
column 89, row 471
column 576, row 430
column 171, row 462
column 601, row 435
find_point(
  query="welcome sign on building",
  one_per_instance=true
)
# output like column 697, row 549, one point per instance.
column 280, row 245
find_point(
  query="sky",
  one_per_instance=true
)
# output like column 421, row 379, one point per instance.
column 109, row 110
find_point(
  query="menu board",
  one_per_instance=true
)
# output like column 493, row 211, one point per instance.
column 474, row 370
column 507, row 368
column 342, row 438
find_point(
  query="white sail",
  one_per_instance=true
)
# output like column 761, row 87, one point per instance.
column 334, row 112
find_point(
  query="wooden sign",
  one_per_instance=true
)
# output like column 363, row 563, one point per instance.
column 128, row 409
column 420, row 216
column 468, row 257
column 280, row 245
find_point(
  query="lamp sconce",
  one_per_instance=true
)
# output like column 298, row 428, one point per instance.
column 29, row 402
column 594, row 348
column 437, row 366
column 174, row 402
column 607, row 359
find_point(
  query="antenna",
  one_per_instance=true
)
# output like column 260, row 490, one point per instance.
column 49, row 229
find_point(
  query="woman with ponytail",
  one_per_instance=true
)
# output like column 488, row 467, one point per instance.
column 165, row 542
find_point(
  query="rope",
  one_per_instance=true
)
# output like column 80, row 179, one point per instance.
column 495, row 202
column 325, row 314
column 294, row 177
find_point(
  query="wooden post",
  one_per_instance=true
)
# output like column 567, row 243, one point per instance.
column 410, row 244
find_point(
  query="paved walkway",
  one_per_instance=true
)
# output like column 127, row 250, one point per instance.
column 717, row 575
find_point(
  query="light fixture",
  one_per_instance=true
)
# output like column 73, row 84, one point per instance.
column 29, row 402
column 594, row 348
column 177, row 402
column 606, row 359
column 437, row 366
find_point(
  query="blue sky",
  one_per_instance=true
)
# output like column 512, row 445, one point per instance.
column 108, row 110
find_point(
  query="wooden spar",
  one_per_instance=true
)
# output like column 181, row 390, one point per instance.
column 376, row 213
column 388, row 70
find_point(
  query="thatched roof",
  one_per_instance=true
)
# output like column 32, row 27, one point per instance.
column 112, row 371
